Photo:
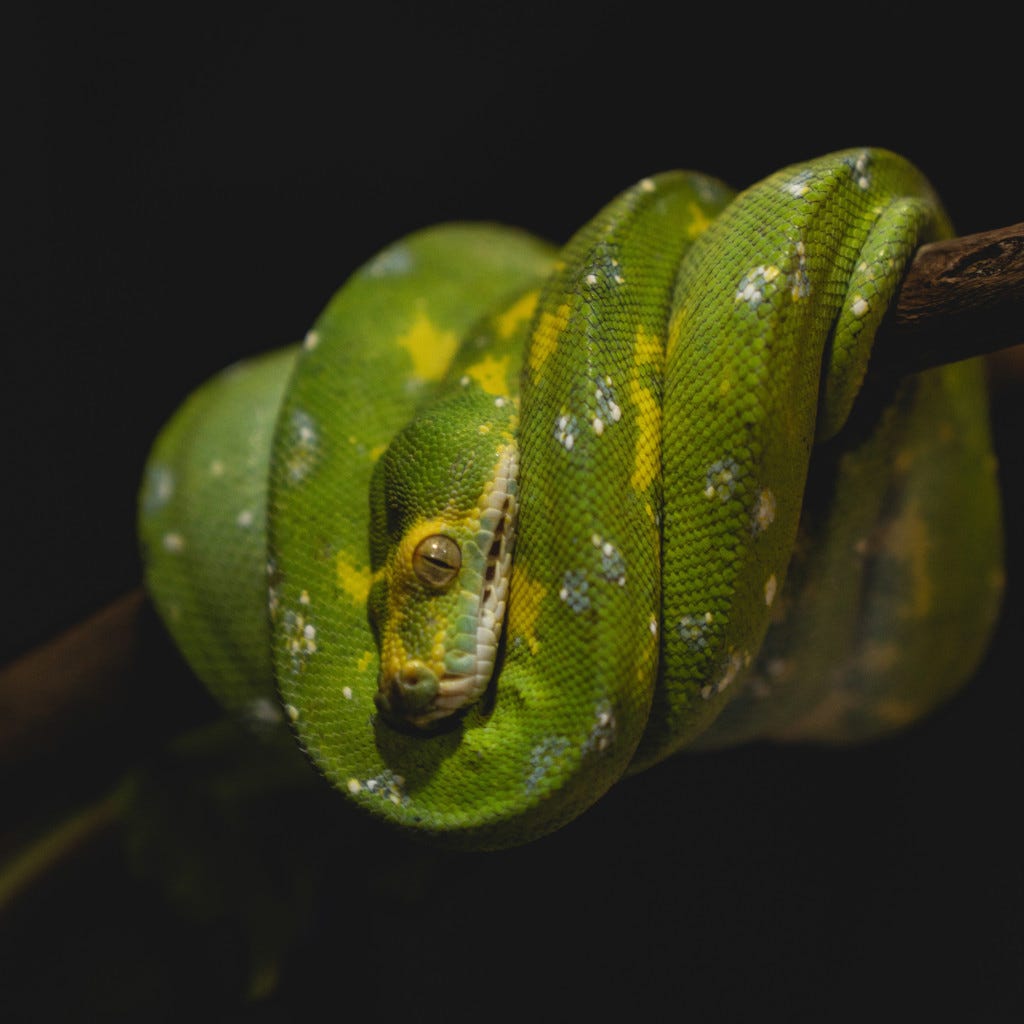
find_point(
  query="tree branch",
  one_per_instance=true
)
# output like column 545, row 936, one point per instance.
column 45, row 694
column 83, row 686
column 961, row 297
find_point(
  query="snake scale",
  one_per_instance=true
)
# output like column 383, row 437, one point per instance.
column 513, row 522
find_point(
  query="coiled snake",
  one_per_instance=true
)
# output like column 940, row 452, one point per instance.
column 532, row 519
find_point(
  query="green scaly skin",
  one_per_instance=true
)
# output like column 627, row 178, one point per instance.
column 684, row 573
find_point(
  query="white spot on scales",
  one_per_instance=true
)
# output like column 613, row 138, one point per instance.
column 174, row 543
column 764, row 511
column 736, row 662
column 754, row 285
column 161, row 487
column 565, row 431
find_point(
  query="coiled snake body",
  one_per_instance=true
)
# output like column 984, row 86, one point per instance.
column 530, row 520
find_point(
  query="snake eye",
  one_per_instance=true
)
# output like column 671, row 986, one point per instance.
column 436, row 560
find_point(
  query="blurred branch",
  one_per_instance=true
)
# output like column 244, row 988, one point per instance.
column 44, row 693
column 33, row 860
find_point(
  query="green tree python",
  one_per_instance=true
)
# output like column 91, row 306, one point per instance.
column 513, row 522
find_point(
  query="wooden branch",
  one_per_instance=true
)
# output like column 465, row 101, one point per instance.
column 961, row 297
column 45, row 694
column 82, row 688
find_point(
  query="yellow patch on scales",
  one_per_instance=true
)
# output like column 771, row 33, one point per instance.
column 491, row 373
column 647, row 460
column 352, row 578
column 545, row 336
column 520, row 310
column 524, row 609
column 430, row 348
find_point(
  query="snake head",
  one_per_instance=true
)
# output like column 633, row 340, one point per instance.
column 443, row 511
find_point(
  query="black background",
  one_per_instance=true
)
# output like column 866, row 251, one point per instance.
column 191, row 188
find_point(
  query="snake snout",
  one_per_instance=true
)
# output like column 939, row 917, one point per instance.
column 408, row 692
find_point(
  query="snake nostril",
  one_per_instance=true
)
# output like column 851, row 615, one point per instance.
column 412, row 687
column 414, row 674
